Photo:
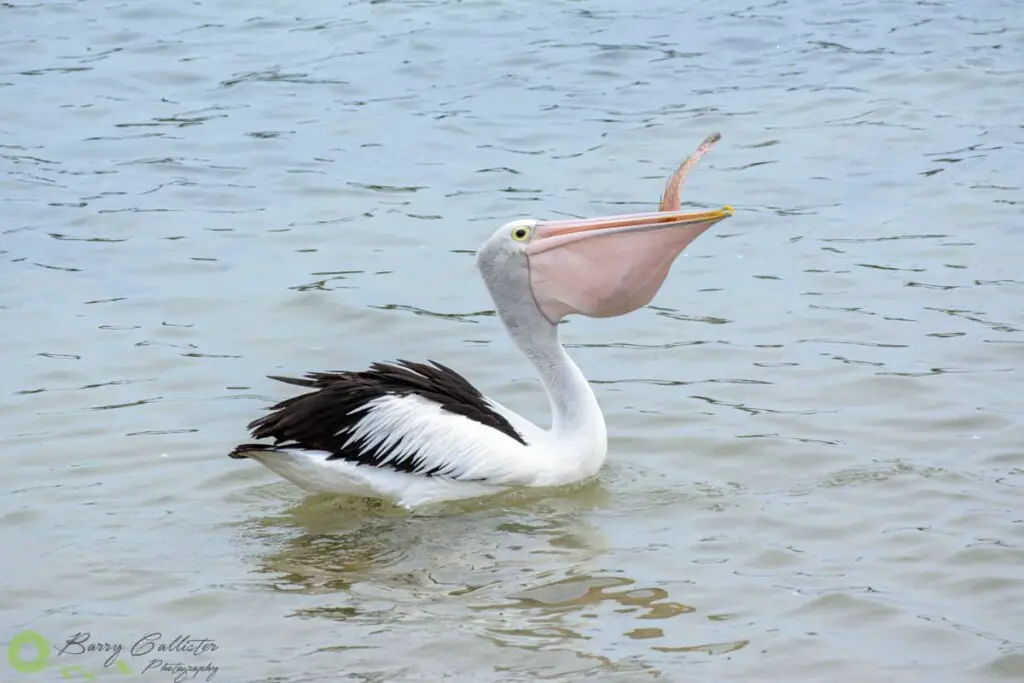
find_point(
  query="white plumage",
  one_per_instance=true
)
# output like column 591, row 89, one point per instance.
column 406, row 435
column 476, row 460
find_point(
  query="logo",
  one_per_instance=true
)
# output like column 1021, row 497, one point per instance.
column 177, row 658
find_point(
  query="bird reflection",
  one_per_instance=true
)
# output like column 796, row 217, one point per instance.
column 523, row 583
column 326, row 543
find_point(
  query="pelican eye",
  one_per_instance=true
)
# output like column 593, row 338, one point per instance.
column 520, row 234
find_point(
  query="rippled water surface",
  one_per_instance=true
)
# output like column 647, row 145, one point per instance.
column 816, row 466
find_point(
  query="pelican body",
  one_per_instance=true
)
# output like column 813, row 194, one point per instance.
column 418, row 433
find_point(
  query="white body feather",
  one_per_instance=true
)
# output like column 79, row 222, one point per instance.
column 465, row 447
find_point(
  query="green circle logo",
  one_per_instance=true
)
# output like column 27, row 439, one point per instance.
column 28, row 639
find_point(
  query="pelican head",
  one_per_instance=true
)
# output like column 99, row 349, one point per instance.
column 597, row 267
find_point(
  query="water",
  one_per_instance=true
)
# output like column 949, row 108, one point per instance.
column 817, row 435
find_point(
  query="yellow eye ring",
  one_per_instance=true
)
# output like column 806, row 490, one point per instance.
column 521, row 233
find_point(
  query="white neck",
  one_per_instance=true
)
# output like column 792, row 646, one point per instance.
column 577, row 424
column 578, row 438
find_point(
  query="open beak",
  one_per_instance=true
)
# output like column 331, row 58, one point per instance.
column 604, row 267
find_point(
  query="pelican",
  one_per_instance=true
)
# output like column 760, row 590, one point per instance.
column 418, row 433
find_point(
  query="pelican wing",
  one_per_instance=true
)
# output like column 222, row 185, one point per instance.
column 409, row 417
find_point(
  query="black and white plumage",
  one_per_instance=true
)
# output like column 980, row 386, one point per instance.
column 328, row 418
column 414, row 434
column 417, row 433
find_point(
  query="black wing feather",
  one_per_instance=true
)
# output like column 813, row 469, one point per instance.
column 323, row 419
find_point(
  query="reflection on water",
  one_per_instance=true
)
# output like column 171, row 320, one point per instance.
column 526, row 573
column 327, row 539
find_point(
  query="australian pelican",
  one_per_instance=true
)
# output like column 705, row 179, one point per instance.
column 416, row 433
